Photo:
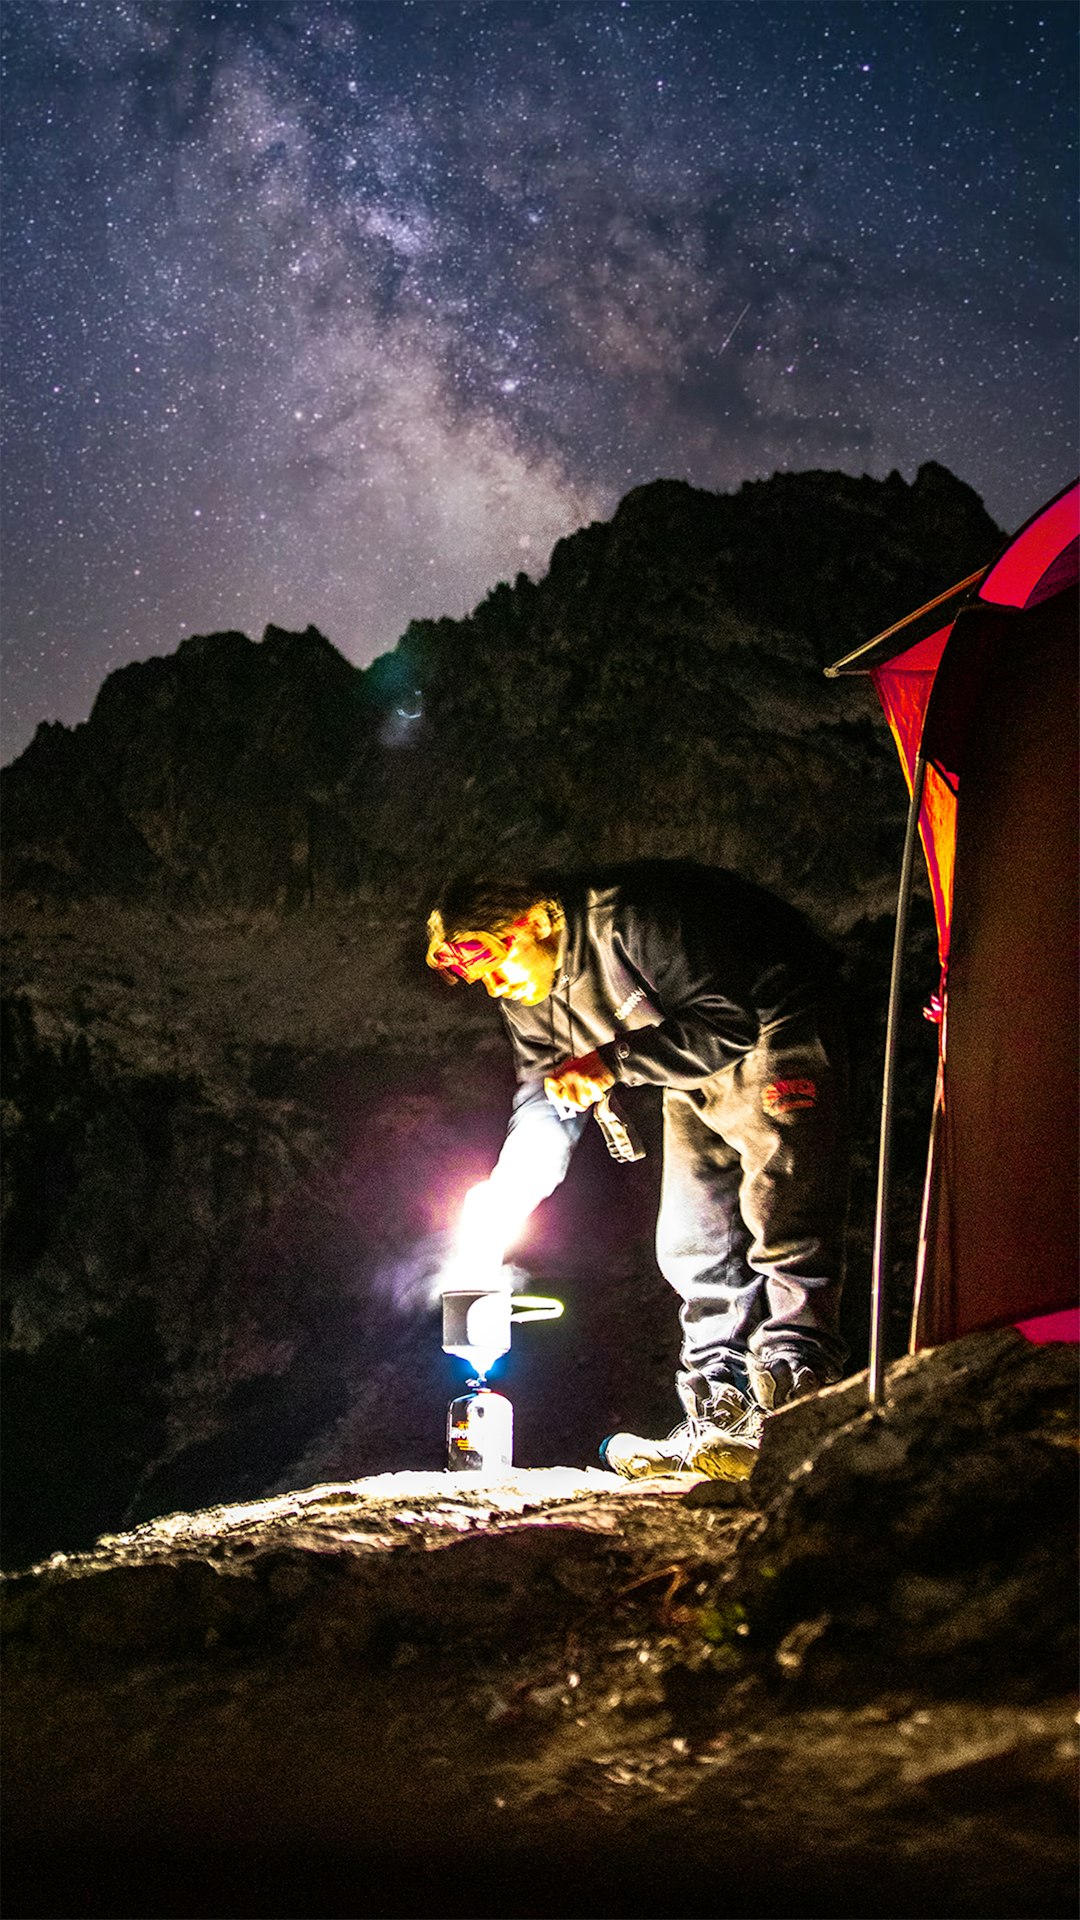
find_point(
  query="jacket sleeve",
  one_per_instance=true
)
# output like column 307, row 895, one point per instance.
column 703, row 1029
column 537, row 1148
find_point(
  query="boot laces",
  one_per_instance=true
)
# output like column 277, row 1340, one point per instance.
column 706, row 1428
column 732, row 1410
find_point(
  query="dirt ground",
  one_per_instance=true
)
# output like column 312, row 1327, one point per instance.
column 553, row 1694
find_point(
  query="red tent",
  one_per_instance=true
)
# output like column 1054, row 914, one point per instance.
column 983, row 709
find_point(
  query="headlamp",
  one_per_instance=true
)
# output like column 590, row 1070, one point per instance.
column 470, row 955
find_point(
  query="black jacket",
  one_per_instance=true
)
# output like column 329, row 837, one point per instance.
column 669, row 971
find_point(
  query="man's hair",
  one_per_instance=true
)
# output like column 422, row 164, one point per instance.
column 487, row 903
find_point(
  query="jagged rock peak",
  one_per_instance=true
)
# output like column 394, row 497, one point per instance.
column 794, row 528
column 230, row 654
column 277, row 643
column 201, row 775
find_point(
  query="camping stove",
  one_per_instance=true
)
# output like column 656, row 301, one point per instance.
column 477, row 1324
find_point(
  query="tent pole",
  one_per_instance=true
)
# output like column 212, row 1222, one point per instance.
column 926, row 1216
column 849, row 663
column 876, row 1375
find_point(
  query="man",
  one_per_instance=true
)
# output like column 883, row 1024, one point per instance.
column 690, row 978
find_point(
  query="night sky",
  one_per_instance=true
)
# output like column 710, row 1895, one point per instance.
column 341, row 311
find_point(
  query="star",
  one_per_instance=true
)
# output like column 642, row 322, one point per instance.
column 375, row 302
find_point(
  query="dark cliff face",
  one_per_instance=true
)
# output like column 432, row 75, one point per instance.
column 240, row 1114
column 203, row 776
column 659, row 692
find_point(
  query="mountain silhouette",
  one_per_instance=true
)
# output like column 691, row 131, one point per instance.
column 658, row 692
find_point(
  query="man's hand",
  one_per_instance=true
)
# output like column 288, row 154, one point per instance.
column 578, row 1084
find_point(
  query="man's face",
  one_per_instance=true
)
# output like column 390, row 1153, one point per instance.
column 526, row 971
column 518, row 963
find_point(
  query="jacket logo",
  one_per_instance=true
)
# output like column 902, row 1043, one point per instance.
column 787, row 1096
column 628, row 1005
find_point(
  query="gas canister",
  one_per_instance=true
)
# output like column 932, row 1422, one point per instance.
column 479, row 1431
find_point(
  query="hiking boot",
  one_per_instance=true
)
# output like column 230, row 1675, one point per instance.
column 782, row 1380
column 721, row 1442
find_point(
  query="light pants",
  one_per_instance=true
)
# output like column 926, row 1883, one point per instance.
column 753, row 1206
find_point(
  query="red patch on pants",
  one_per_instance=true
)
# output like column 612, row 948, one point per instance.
column 787, row 1096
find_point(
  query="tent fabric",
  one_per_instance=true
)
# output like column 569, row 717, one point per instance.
column 989, row 700
column 1052, row 1326
column 1039, row 561
column 903, row 688
column 1016, row 578
column 965, row 664
column 1003, row 1235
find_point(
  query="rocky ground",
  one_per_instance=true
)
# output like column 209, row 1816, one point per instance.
column 844, row 1689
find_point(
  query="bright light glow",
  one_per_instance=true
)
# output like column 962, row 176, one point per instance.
column 492, row 1217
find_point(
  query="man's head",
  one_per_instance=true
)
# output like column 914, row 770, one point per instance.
column 504, row 934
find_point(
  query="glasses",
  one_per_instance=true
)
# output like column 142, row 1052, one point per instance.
column 471, row 955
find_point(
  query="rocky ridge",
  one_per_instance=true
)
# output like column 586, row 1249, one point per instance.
column 670, row 656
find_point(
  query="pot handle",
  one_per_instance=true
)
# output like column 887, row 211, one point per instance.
column 536, row 1306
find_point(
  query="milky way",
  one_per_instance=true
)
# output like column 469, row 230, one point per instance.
column 342, row 311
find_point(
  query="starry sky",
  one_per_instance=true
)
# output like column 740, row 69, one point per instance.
column 341, row 311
